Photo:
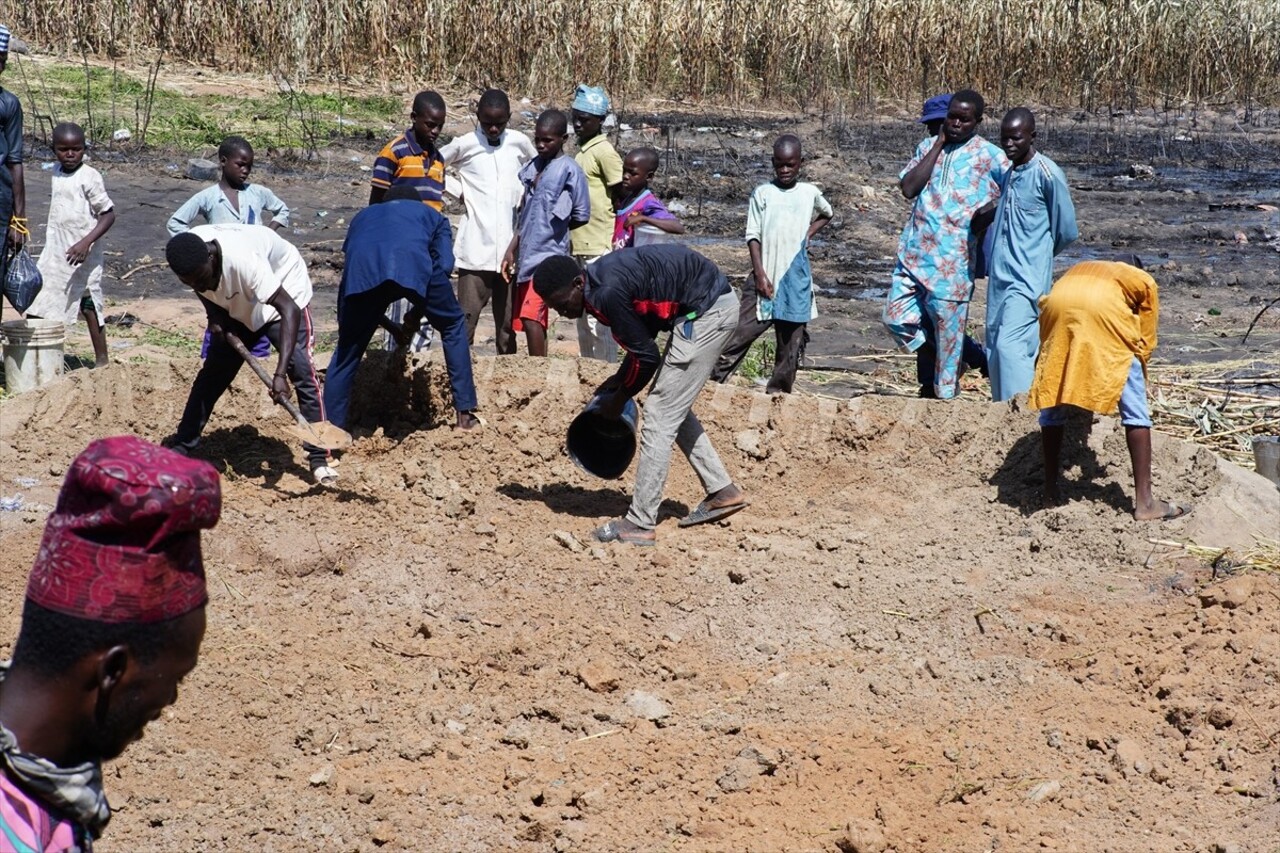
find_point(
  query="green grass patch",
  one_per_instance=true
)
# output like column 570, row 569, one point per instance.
column 103, row 100
column 174, row 341
column 759, row 360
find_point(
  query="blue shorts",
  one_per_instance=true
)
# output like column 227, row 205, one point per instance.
column 1133, row 402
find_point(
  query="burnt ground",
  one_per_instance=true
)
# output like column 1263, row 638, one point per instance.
column 1193, row 213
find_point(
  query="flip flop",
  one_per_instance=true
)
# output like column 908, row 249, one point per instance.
column 1174, row 511
column 611, row 532
column 704, row 514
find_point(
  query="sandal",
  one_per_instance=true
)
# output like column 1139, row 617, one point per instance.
column 704, row 514
column 610, row 531
column 477, row 423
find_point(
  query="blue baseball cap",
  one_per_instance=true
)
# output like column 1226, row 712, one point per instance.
column 935, row 108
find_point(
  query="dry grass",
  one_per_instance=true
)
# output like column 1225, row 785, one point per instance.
column 1059, row 51
column 1263, row 555
column 1221, row 406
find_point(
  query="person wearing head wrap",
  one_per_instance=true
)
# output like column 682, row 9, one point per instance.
column 13, row 188
column 112, row 623
column 603, row 167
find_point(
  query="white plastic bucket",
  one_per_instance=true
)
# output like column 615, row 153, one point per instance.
column 647, row 235
column 32, row 353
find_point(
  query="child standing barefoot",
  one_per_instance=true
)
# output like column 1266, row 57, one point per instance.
column 80, row 212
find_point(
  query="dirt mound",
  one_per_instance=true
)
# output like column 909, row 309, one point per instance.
column 890, row 650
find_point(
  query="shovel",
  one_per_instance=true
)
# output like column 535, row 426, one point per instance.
column 321, row 434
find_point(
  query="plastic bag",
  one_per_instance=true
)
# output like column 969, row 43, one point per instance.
column 23, row 281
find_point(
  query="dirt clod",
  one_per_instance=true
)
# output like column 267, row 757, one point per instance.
column 599, row 677
column 646, row 706
column 861, row 836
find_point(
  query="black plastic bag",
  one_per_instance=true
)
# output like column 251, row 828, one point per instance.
column 23, row 281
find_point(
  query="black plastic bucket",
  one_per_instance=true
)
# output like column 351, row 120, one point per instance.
column 603, row 446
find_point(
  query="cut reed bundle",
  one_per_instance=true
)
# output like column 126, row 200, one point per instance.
column 1263, row 555
column 1222, row 406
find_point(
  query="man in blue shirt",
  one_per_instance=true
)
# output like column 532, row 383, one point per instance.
column 556, row 200
column 1034, row 222
column 383, row 266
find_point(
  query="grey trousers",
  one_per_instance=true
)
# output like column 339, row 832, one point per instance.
column 478, row 288
column 668, row 411
column 595, row 340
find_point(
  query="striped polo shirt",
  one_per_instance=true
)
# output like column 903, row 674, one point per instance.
column 402, row 161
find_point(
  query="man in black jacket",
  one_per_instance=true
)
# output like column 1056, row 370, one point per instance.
column 638, row 293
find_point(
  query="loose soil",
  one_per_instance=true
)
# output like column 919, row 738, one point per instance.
column 893, row 648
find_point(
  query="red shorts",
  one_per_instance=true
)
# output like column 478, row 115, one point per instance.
column 529, row 306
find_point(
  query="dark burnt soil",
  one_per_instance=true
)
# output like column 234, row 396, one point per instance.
column 1189, row 192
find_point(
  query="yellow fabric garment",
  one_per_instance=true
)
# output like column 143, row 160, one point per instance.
column 1097, row 317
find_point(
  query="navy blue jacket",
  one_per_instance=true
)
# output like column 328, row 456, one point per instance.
column 402, row 241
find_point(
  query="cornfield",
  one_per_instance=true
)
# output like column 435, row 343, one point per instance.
column 1066, row 52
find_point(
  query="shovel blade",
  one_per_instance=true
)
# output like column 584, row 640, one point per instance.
column 322, row 434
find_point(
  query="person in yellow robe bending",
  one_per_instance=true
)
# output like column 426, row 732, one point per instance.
column 1097, row 330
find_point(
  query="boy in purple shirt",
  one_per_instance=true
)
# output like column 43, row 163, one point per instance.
column 637, row 205
column 555, row 200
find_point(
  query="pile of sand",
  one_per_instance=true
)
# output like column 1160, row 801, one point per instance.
column 891, row 649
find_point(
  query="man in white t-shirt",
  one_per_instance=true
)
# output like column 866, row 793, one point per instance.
column 253, row 284
column 483, row 168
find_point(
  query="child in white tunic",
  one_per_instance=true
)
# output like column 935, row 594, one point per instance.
column 80, row 212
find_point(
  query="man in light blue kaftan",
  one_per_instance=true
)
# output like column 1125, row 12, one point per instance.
column 1035, row 220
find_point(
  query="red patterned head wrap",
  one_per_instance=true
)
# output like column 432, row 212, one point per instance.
column 123, row 543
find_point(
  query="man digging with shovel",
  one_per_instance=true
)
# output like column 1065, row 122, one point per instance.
column 397, row 249
column 253, row 284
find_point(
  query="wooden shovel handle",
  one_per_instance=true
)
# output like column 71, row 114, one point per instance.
column 239, row 347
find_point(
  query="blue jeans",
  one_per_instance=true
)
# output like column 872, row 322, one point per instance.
column 1133, row 402
column 358, row 317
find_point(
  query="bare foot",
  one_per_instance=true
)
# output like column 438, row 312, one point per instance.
column 1051, row 496
column 1160, row 511
column 467, row 420
column 101, row 362
column 730, row 495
